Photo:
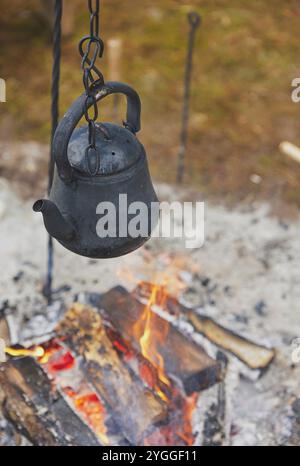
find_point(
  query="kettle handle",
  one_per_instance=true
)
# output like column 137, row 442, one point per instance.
column 73, row 116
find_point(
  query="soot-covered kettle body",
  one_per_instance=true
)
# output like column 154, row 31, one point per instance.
column 117, row 170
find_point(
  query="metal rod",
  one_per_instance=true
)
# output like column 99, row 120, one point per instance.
column 47, row 291
column 194, row 20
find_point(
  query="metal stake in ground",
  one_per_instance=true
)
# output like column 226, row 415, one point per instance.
column 194, row 21
column 54, row 122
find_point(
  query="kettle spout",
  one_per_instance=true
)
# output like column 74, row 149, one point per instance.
column 54, row 222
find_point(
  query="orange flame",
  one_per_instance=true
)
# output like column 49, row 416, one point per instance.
column 151, row 336
column 186, row 433
column 151, row 331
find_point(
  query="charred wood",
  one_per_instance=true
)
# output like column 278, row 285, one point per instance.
column 136, row 409
column 183, row 359
column 36, row 409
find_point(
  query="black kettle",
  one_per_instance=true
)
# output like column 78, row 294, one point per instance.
column 118, row 171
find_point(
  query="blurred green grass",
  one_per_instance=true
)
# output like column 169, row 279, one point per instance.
column 247, row 54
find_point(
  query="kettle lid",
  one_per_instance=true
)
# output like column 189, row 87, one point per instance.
column 118, row 149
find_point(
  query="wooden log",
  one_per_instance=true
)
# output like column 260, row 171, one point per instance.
column 4, row 337
column 291, row 150
column 37, row 410
column 2, row 90
column 114, row 53
column 4, row 330
column 140, row 365
column 255, row 356
column 183, row 360
column 136, row 409
column 2, row 350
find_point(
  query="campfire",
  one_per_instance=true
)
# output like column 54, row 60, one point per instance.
column 115, row 372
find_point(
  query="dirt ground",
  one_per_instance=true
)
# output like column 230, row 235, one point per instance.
column 246, row 276
column 246, row 56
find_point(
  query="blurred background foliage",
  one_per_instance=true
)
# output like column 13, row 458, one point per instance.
column 247, row 54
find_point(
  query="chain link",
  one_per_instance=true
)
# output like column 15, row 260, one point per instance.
column 90, row 48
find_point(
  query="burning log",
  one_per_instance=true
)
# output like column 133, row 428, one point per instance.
column 179, row 429
column 183, row 360
column 139, row 365
column 256, row 357
column 136, row 409
column 36, row 408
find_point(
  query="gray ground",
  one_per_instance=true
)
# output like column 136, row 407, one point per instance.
column 247, row 278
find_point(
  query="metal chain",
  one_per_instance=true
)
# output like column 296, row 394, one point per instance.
column 90, row 48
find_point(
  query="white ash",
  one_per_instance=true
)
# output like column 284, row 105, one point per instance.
column 250, row 259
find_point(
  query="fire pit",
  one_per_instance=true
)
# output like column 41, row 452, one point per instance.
column 115, row 372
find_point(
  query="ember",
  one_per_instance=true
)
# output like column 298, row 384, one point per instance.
column 93, row 411
column 103, row 360
column 63, row 368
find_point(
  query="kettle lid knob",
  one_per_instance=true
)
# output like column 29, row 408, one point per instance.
column 117, row 150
